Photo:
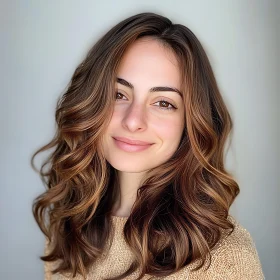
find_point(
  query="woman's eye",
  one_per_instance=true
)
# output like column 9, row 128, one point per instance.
column 163, row 104
column 166, row 105
column 119, row 96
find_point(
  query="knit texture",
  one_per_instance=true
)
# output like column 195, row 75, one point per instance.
column 234, row 257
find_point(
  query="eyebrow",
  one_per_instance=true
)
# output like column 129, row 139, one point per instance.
column 153, row 89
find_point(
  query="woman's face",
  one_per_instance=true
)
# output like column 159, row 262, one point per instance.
column 145, row 109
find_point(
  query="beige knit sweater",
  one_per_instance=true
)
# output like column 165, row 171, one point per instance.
column 234, row 257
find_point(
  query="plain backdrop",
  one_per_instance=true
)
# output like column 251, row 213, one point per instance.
column 42, row 42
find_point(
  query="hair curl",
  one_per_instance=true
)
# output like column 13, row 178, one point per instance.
column 186, row 199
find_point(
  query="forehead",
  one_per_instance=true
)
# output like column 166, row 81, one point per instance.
column 148, row 62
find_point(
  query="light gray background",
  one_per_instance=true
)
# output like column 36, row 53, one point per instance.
column 42, row 43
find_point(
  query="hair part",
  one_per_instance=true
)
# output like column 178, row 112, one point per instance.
column 184, row 201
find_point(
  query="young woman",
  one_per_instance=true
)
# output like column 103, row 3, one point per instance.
column 136, row 184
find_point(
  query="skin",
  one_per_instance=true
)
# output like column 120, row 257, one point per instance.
column 141, row 115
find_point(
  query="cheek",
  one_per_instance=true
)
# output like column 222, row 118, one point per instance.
column 169, row 129
column 115, row 120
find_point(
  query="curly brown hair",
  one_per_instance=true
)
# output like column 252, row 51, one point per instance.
column 186, row 199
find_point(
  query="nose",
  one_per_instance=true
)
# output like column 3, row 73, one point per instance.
column 134, row 118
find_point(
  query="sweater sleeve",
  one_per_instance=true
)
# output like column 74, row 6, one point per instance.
column 47, row 265
column 50, row 266
column 234, row 258
column 238, row 258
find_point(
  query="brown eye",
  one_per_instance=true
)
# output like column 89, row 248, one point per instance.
column 119, row 96
column 166, row 105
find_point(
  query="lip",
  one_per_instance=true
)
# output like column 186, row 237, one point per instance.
column 132, row 142
column 131, row 147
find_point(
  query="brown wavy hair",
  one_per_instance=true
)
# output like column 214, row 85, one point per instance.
column 184, row 201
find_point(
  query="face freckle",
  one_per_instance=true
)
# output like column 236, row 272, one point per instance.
column 148, row 83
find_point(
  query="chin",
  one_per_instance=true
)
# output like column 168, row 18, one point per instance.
column 130, row 167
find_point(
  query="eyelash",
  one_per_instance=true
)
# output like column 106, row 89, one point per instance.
column 162, row 100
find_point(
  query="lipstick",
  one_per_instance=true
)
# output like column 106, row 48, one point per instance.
column 129, row 145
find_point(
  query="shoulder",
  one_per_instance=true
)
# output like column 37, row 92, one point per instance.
column 238, row 253
column 50, row 266
column 234, row 257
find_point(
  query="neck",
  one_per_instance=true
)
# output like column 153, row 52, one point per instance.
column 129, row 184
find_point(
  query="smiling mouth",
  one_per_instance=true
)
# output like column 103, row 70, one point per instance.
column 132, row 142
column 128, row 147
